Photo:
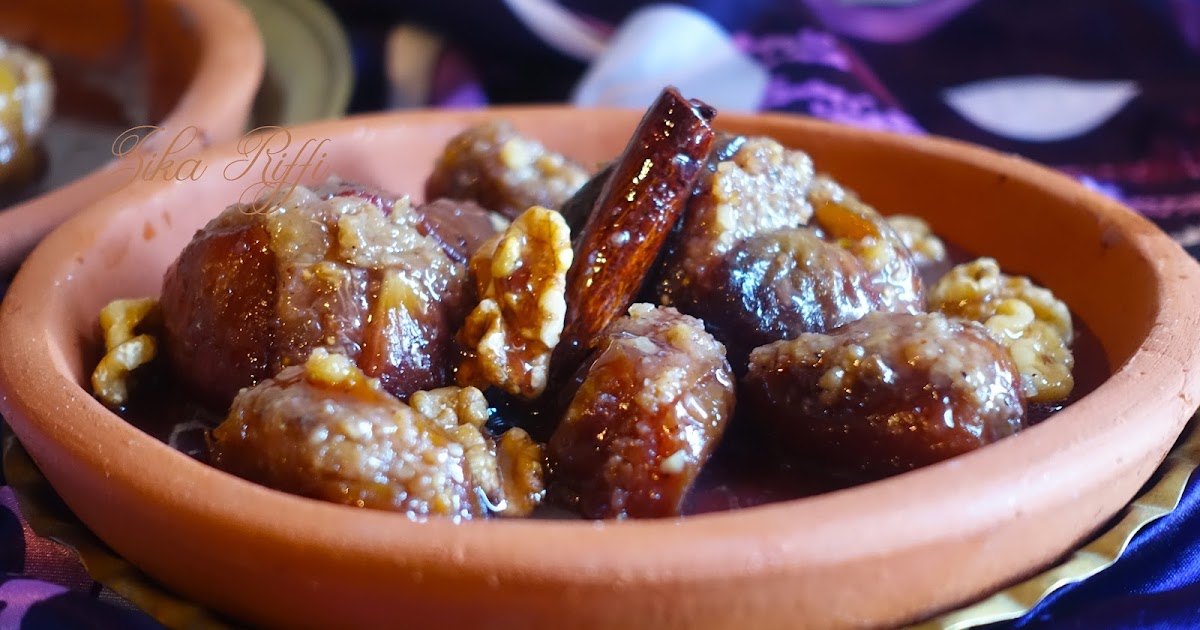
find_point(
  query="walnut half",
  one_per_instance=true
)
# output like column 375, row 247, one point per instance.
column 521, row 280
column 1027, row 319
column 925, row 246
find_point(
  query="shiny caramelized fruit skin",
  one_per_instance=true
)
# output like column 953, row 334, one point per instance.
column 887, row 393
column 324, row 430
column 259, row 288
column 654, row 401
column 218, row 303
column 776, row 285
column 496, row 167
column 769, row 250
column 848, row 262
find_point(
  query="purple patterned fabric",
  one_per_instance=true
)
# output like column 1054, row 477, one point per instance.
column 1132, row 68
column 41, row 558
column 43, row 584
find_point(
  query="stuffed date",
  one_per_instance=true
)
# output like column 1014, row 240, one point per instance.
column 495, row 166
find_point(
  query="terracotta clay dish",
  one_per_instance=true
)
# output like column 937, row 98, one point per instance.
column 871, row 554
column 115, row 66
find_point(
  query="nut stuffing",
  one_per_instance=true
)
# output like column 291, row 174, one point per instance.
column 655, row 398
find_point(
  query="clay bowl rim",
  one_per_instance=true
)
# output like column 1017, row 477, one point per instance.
column 975, row 489
column 228, row 72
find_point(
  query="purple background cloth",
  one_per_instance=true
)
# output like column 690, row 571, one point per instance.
column 884, row 67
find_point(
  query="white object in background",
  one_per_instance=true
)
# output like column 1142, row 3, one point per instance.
column 672, row 45
column 559, row 28
column 1040, row 108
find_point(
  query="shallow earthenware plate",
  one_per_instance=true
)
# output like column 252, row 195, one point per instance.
column 874, row 555
column 48, row 517
column 309, row 71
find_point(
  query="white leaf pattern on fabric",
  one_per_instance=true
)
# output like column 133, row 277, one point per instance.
column 1039, row 108
column 672, row 45
column 559, row 28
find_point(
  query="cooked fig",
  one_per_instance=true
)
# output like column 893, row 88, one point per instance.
column 778, row 284
column 655, row 398
column 219, row 308
column 324, row 430
column 884, row 394
column 500, row 169
column 758, row 264
column 761, row 188
column 259, row 288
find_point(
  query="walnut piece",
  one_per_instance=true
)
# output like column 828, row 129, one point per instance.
column 1027, row 319
column 521, row 281
column 919, row 238
column 125, row 350
column 521, row 471
column 509, row 473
